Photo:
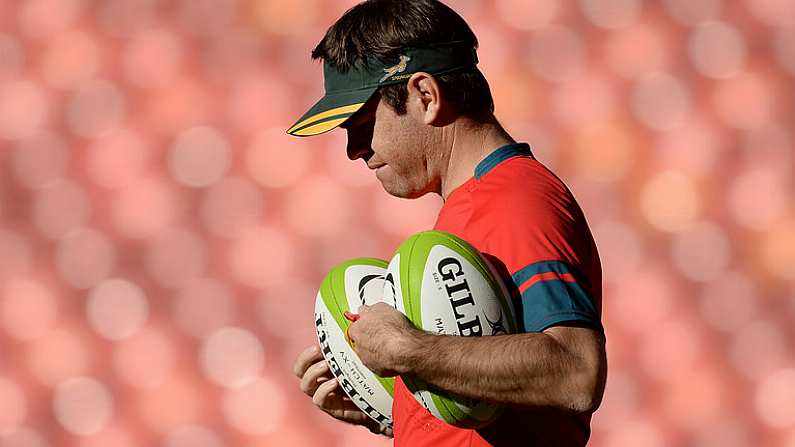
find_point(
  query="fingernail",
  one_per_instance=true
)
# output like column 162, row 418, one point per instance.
column 350, row 316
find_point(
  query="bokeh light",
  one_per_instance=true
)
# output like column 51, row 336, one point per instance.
column 717, row 50
column 670, row 201
column 144, row 208
column 41, row 19
column 97, row 108
column 622, row 403
column 729, row 432
column 193, row 436
column 775, row 399
column 232, row 205
column 286, row 17
column 15, row 254
column 621, row 249
column 271, row 165
column 117, row 308
column 557, row 54
column 152, row 58
column 57, row 356
column 702, row 251
column 661, row 101
column 778, row 249
column 28, row 309
column 255, row 408
column 261, row 256
column 176, row 256
column 671, row 351
column 636, row 50
column 784, row 52
column 693, row 13
column 203, row 305
column 772, row 12
column 145, row 359
column 40, row 160
column 109, row 435
column 400, row 216
column 637, row 315
column 758, row 348
column 256, row 98
column 744, row 102
column 83, row 405
column 611, row 14
column 200, row 157
column 12, row 56
column 24, row 437
column 85, row 257
column 13, row 406
column 61, row 207
column 71, row 59
column 318, row 208
column 693, row 148
column 637, row 431
column 23, row 109
column 585, row 102
column 751, row 209
column 729, row 301
column 605, row 153
column 514, row 13
column 702, row 392
column 173, row 403
column 115, row 160
column 232, row 357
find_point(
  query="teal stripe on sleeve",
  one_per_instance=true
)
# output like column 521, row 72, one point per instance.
column 548, row 302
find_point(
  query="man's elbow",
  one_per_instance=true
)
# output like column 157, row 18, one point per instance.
column 586, row 401
column 587, row 388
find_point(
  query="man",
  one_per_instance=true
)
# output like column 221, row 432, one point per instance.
column 401, row 79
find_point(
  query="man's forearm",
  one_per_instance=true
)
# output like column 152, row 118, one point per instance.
column 532, row 369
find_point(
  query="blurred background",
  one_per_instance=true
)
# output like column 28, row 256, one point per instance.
column 162, row 239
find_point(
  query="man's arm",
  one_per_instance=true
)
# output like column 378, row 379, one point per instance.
column 563, row 367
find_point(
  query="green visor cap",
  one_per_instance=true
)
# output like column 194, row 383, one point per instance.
column 347, row 92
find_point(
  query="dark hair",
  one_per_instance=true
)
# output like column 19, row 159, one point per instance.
column 382, row 28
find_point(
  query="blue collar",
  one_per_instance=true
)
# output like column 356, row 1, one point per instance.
column 499, row 155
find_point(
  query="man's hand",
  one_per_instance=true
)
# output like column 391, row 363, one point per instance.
column 383, row 338
column 318, row 383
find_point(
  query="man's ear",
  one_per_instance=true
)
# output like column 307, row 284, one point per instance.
column 426, row 99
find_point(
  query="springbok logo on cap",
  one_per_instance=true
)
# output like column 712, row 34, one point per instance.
column 395, row 69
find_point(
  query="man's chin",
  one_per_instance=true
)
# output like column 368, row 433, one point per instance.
column 403, row 193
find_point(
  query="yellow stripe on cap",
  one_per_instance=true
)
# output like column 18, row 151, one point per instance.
column 319, row 128
column 331, row 112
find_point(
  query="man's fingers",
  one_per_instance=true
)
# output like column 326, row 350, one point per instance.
column 323, row 392
column 314, row 375
column 305, row 359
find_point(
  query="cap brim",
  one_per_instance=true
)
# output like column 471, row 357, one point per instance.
column 330, row 112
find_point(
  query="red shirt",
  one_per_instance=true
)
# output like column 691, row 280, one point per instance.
column 515, row 210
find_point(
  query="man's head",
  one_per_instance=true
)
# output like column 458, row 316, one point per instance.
column 383, row 28
column 397, row 71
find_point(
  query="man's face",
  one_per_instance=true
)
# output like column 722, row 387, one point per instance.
column 395, row 146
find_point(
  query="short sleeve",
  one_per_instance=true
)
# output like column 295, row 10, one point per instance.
column 533, row 225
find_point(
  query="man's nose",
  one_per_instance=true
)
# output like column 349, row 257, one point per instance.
column 357, row 147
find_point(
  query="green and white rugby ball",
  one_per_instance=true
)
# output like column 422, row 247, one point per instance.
column 444, row 285
column 346, row 287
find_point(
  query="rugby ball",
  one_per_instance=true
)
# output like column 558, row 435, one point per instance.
column 445, row 286
column 346, row 287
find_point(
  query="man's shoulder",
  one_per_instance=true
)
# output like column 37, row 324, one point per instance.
column 522, row 188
